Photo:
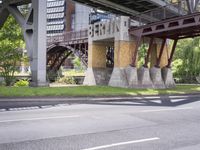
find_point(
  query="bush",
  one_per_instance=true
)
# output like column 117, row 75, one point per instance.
column 22, row 83
column 67, row 80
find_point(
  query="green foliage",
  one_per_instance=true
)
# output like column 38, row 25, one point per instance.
column 67, row 80
column 22, row 83
column 10, row 53
column 77, row 63
column 186, row 65
column 142, row 54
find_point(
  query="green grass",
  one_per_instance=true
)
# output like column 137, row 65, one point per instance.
column 92, row 91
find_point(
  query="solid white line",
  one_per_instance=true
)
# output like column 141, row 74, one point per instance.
column 35, row 119
column 169, row 109
column 122, row 143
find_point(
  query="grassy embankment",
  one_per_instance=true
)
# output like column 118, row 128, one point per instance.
column 92, row 91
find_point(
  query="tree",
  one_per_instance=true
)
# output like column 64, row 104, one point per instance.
column 11, row 42
column 186, row 65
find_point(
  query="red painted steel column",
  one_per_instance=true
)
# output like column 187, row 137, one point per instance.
column 172, row 53
column 148, row 52
column 161, row 53
column 139, row 37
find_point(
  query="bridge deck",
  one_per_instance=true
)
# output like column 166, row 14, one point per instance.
column 179, row 27
column 129, row 7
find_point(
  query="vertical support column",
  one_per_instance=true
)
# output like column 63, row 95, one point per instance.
column 96, row 73
column 160, row 53
column 167, row 72
column 172, row 53
column 135, row 54
column 124, row 75
column 143, row 72
column 97, row 55
column 155, row 71
column 148, row 52
column 38, row 60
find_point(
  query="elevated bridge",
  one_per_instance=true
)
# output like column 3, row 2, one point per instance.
column 110, row 49
column 60, row 47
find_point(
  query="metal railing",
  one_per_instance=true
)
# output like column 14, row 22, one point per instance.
column 68, row 37
column 168, row 11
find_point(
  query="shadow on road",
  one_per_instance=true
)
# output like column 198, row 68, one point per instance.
column 165, row 101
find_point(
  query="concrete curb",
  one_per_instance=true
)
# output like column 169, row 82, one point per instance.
column 100, row 98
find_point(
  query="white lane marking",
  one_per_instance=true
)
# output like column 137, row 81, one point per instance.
column 42, row 118
column 169, row 109
column 122, row 143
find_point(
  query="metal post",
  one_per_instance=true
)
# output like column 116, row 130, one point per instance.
column 148, row 52
column 133, row 64
column 172, row 53
column 161, row 53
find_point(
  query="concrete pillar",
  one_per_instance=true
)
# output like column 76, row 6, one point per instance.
column 97, row 73
column 38, row 61
column 144, row 79
column 123, row 74
column 168, row 77
column 97, row 55
column 155, row 71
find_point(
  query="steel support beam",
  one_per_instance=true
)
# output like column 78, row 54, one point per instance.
column 161, row 53
column 138, row 41
column 172, row 53
column 148, row 53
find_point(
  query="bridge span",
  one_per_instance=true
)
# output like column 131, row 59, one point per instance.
column 110, row 49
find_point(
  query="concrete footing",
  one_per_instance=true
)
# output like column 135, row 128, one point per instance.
column 132, row 77
column 97, row 76
column 156, row 77
column 168, row 77
column 124, row 77
column 39, row 84
column 144, row 80
column 118, row 78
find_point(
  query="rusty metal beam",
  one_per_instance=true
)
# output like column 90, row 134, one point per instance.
column 172, row 53
column 148, row 52
column 138, row 41
column 161, row 53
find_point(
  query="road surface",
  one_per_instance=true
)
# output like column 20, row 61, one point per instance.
column 167, row 123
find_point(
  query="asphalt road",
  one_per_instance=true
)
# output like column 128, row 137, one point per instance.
column 167, row 123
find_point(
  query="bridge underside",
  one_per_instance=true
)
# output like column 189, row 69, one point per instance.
column 123, row 7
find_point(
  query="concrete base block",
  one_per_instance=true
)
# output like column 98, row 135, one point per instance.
column 39, row 84
column 144, row 80
column 156, row 77
column 119, row 78
column 97, row 76
column 168, row 78
column 132, row 77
